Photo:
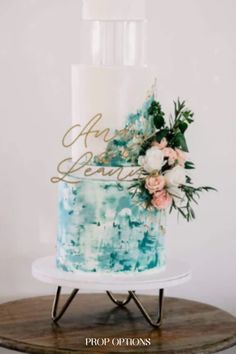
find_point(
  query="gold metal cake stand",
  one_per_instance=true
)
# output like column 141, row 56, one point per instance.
column 56, row 315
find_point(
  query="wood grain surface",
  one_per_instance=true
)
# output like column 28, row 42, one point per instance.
column 189, row 327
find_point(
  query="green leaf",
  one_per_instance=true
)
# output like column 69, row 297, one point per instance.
column 155, row 109
column 162, row 134
column 207, row 189
column 188, row 179
column 182, row 213
column 182, row 126
column 187, row 114
column 157, row 113
column 189, row 120
column 180, row 142
column 192, row 213
column 189, row 165
column 159, row 121
column 179, row 106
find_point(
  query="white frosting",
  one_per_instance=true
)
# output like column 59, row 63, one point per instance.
column 115, row 92
column 109, row 10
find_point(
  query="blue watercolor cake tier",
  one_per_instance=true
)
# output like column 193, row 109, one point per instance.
column 102, row 229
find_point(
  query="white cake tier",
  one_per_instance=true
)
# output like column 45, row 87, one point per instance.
column 112, row 92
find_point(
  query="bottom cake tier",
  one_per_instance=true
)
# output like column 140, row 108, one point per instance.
column 102, row 229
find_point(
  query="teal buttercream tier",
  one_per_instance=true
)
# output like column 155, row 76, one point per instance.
column 102, row 229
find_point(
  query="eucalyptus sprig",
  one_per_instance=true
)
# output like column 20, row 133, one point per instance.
column 191, row 196
column 179, row 124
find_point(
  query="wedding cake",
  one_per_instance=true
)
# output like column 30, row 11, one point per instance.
column 102, row 227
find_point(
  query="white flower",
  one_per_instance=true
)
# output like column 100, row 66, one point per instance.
column 140, row 160
column 177, row 194
column 175, row 177
column 153, row 160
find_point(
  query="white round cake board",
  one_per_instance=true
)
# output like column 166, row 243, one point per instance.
column 175, row 273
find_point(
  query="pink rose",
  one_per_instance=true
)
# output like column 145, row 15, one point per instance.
column 161, row 200
column 180, row 157
column 154, row 183
column 171, row 154
column 163, row 143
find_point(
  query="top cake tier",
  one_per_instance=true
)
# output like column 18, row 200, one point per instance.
column 114, row 95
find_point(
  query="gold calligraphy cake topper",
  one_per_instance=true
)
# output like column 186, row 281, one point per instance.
column 71, row 171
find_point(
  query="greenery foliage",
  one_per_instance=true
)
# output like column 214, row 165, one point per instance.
column 174, row 132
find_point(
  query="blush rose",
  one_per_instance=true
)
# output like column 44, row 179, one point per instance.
column 154, row 183
column 171, row 154
column 161, row 200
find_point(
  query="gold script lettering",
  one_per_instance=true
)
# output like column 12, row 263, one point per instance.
column 89, row 130
column 88, row 157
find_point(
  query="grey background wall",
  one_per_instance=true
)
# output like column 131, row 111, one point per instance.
column 192, row 44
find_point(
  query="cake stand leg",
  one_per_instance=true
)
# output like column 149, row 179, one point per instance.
column 158, row 322
column 56, row 316
column 119, row 302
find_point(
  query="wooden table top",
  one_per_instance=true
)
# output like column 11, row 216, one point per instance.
column 188, row 327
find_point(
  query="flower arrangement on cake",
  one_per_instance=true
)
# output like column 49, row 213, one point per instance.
column 160, row 149
column 165, row 181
